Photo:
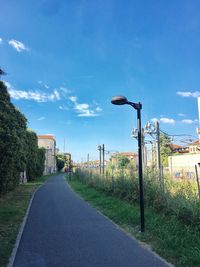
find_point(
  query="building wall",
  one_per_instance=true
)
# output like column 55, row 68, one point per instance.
column 183, row 166
column 50, row 153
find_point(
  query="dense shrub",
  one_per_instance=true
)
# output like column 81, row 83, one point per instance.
column 12, row 142
column 18, row 147
column 35, row 157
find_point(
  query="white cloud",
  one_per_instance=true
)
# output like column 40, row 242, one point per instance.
column 98, row 109
column 163, row 120
column 73, row 98
column 189, row 94
column 41, row 118
column 187, row 121
column 57, row 95
column 19, row 46
column 65, row 90
column 87, row 113
column 32, row 95
column 63, row 107
column 167, row 120
column 181, row 115
column 83, row 109
column 1, row 40
column 43, row 84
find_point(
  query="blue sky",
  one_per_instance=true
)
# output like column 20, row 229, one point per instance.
column 66, row 59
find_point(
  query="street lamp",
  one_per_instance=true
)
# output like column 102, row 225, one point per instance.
column 122, row 100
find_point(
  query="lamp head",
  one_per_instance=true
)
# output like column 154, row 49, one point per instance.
column 119, row 100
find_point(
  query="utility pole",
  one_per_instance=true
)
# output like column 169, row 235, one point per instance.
column 103, row 153
column 143, row 147
column 159, row 167
column 99, row 148
column 64, row 146
column 88, row 159
column 154, row 132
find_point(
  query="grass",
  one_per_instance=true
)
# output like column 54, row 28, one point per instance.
column 13, row 207
column 166, row 235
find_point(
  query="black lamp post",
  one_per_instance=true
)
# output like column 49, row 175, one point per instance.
column 122, row 100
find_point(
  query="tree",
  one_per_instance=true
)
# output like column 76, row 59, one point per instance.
column 35, row 157
column 122, row 161
column 60, row 161
column 12, row 142
column 40, row 161
column 18, row 147
column 165, row 150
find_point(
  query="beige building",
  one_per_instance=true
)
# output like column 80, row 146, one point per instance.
column 183, row 166
column 49, row 143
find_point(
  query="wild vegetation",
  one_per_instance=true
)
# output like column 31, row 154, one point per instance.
column 171, row 239
column 18, row 146
column 179, row 198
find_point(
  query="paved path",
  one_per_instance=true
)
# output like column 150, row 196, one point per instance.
column 63, row 230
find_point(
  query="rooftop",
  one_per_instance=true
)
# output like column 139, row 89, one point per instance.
column 47, row 136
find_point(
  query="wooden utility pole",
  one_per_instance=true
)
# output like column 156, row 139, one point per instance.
column 197, row 177
column 99, row 148
column 103, row 158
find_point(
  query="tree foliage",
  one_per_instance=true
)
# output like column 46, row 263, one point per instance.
column 60, row 161
column 12, row 142
column 35, row 157
column 165, row 150
column 122, row 161
column 15, row 149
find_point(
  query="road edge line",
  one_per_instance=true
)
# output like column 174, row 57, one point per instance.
column 21, row 230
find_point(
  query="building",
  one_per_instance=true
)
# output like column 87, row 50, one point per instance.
column 48, row 142
column 183, row 166
column 133, row 157
column 178, row 149
column 194, row 148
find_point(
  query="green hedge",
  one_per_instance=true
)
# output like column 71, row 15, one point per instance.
column 17, row 145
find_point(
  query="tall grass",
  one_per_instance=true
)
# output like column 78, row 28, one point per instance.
column 179, row 198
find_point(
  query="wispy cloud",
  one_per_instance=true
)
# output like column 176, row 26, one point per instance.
column 1, row 40
column 188, row 121
column 41, row 118
column 32, row 95
column 17, row 45
column 63, row 107
column 73, row 98
column 181, row 115
column 189, row 94
column 98, row 109
column 164, row 120
column 43, row 84
column 84, row 109
column 65, row 90
column 167, row 120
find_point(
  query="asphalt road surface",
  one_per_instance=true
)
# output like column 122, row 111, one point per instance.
column 63, row 230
